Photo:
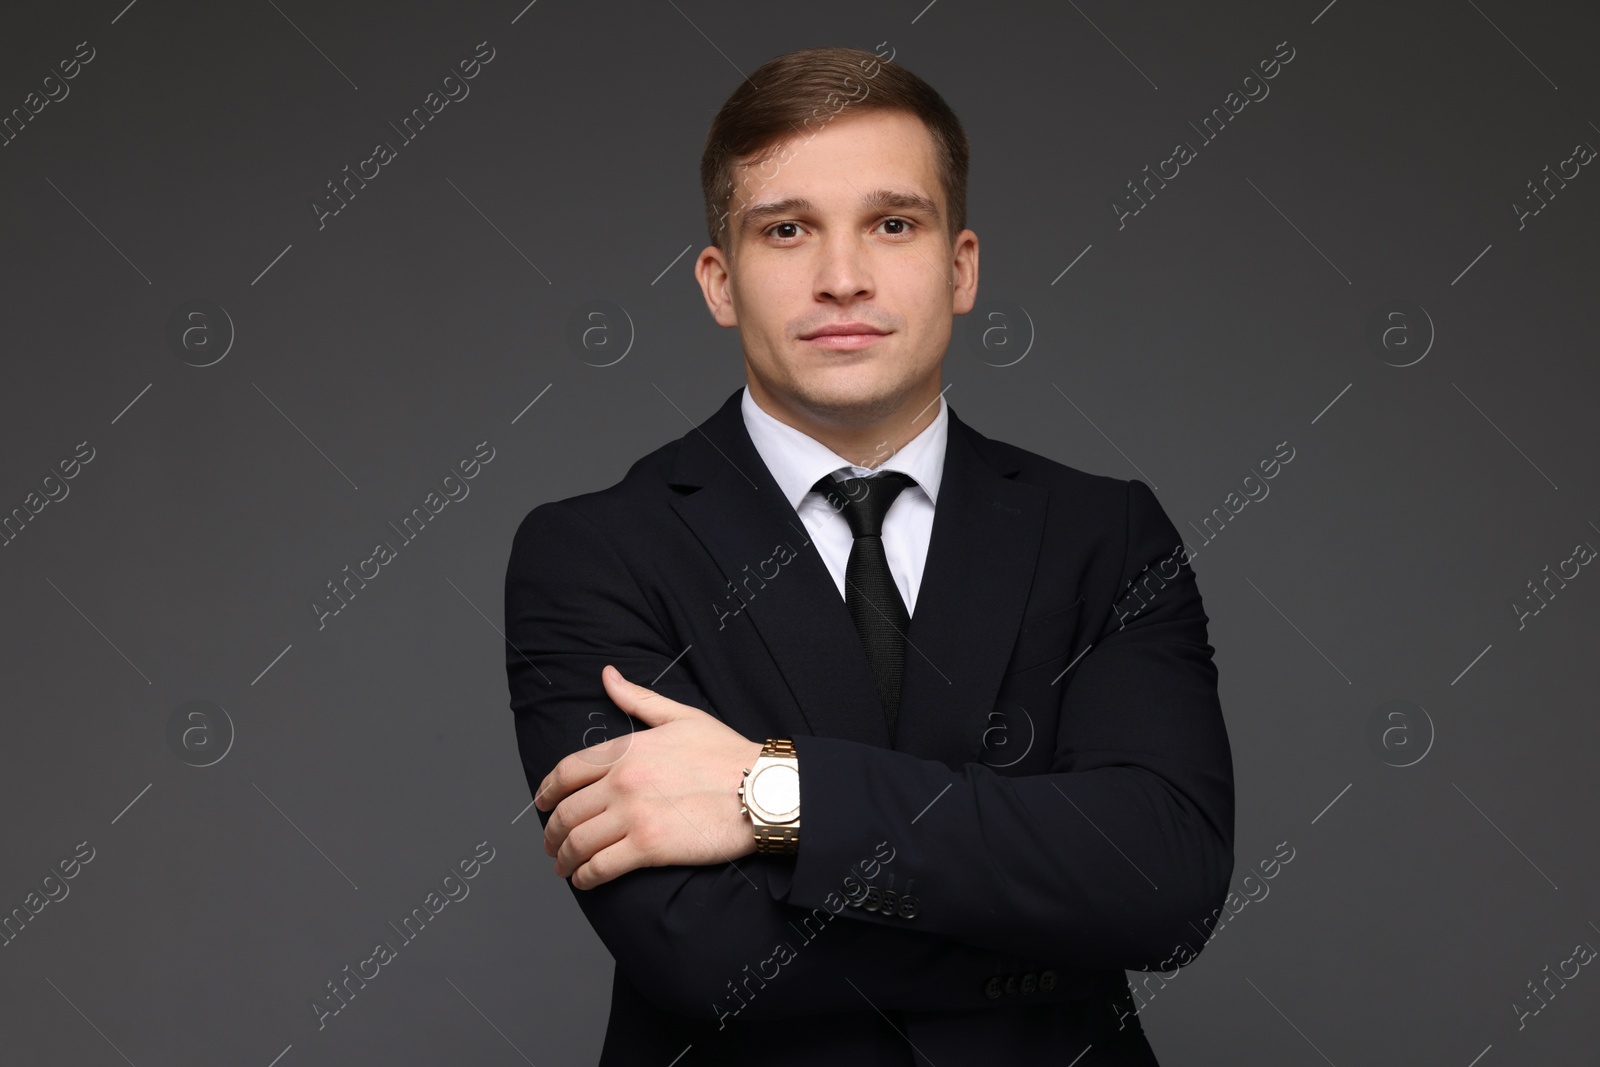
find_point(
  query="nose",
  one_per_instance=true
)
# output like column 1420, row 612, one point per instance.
column 843, row 272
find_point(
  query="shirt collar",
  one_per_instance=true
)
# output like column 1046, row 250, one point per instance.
column 797, row 459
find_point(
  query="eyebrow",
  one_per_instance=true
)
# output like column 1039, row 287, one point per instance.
column 877, row 200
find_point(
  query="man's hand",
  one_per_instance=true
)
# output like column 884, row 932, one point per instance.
column 658, row 797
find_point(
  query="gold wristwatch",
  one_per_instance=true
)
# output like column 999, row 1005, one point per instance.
column 770, row 795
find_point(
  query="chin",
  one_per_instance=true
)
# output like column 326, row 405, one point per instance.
column 866, row 398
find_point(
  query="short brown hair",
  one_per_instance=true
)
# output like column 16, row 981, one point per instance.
column 809, row 88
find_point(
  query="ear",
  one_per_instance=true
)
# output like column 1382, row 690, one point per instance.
column 712, row 271
column 964, row 273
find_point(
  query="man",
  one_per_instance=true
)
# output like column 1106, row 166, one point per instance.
column 971, row 687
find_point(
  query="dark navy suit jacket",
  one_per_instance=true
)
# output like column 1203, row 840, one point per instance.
column 1056, row 805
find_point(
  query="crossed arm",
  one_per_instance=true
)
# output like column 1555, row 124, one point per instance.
column 1106, row 861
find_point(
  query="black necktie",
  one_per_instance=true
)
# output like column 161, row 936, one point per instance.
column 871, row 596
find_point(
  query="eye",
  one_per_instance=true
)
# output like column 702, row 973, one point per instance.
column 781, row 225
column 895, row 220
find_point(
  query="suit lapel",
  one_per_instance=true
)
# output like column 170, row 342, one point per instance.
column 986, row 535
column 987, row 529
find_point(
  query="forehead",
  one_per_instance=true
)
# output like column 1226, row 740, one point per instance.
column 849, row 156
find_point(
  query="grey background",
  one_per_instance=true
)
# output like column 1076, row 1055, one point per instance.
column 372, row 354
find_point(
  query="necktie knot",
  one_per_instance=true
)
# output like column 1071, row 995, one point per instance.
column 864, row 501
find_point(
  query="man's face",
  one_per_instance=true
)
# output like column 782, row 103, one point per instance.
column 847, row 228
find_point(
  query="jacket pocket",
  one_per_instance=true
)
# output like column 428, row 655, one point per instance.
column 1044, row 637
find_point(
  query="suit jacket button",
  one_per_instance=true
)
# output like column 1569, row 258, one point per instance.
column 908, row 906
column 1047, row 981
column 1011, row 985
column 991, row 988
column 1030, row 982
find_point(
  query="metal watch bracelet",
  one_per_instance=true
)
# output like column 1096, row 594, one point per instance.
column 776, row 840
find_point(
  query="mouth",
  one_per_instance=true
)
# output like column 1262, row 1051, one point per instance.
column 845, row 336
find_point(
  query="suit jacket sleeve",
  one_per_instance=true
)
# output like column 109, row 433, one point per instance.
column 1116, row 856
column 686, row 934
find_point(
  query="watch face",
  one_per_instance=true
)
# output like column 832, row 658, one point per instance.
column 776, row 790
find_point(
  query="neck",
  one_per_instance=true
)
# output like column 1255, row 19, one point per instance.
column 866, row 444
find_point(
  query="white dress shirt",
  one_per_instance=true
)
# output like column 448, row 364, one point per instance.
column 797, row 460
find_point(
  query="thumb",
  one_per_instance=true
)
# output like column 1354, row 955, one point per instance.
column 637, row 700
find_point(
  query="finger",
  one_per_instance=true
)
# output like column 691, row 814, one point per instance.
column 573, row 772
column 644, row 704
column 610, row 862
column 586, row 841
column 571, row 813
